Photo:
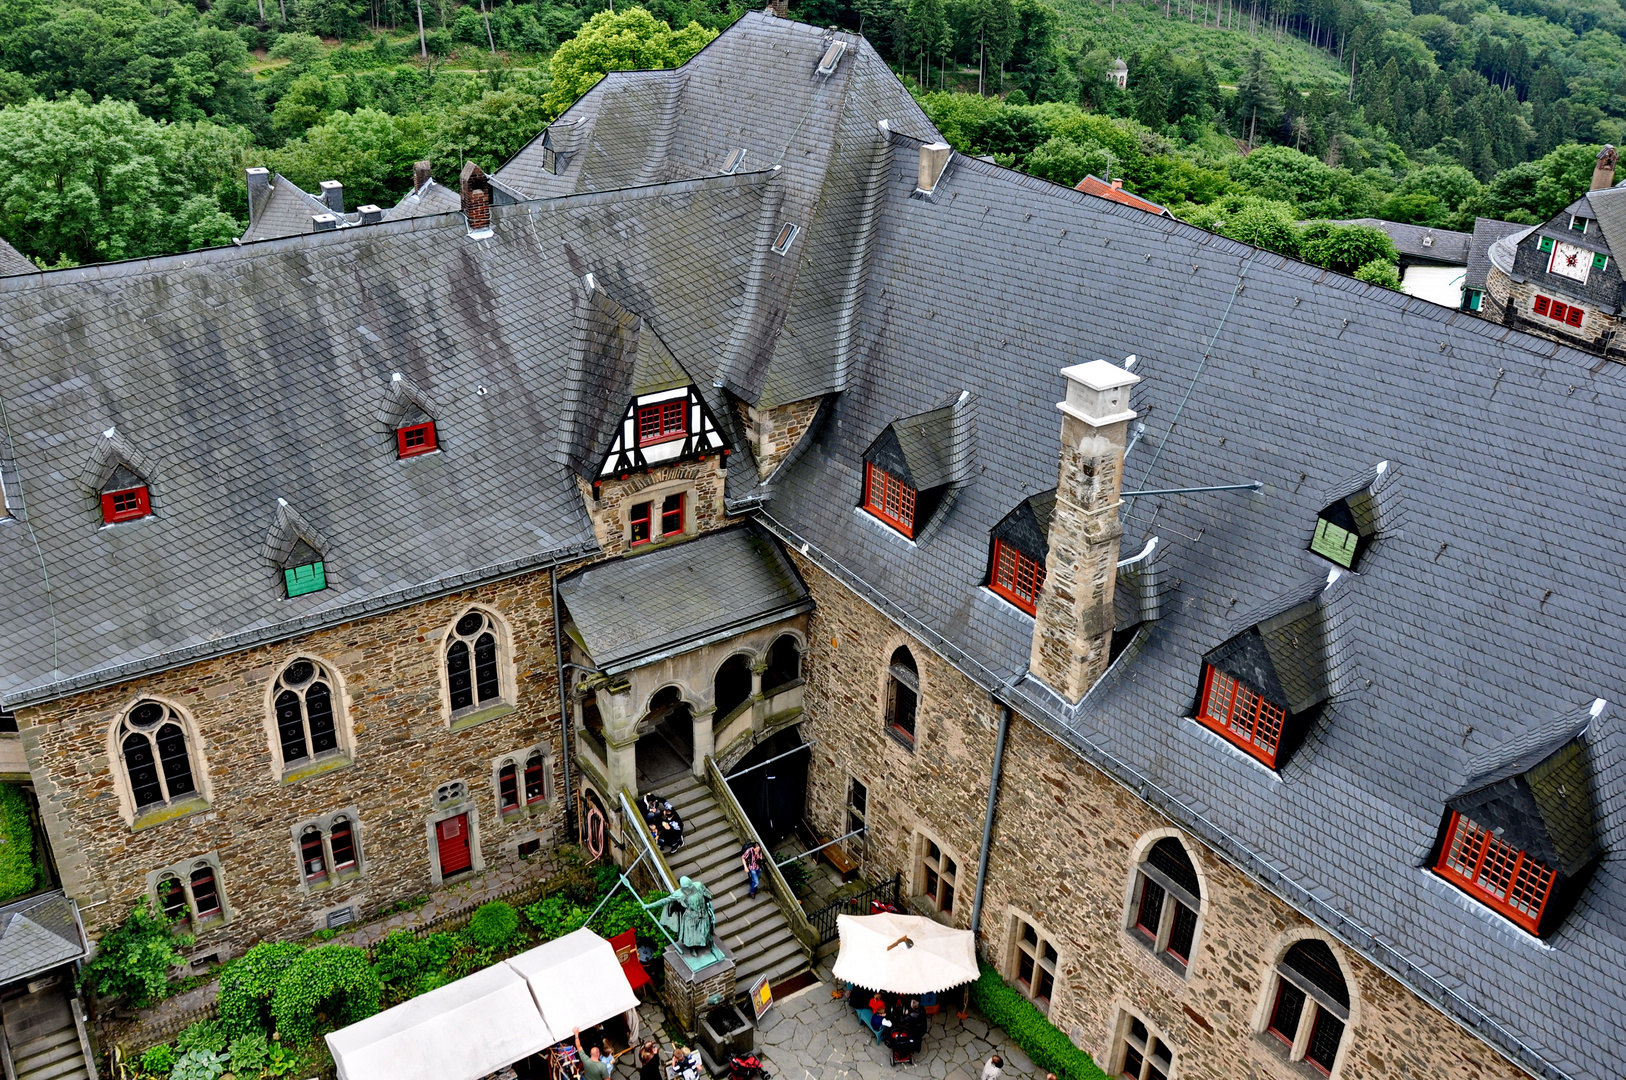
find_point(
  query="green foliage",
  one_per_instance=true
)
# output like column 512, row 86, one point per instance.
column 555, row 916
column 159, row 1060
column 207, row 1035
column 491, row 129
column 199, row 1064
column 249, row 1055
column 370, row 151
column 493, row 925
column 134, row 959
column 1379, row 272
column 621, row 913
column 1345, row 247
column 1050, row 1049
column 249, row 984
column 18, row 871
column 1543, row 187
column 282, row 1060
column 323, row 989
column 628, row 40
column 1066, row 162
column 402, row 959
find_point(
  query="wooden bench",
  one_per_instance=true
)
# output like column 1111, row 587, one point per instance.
column 832, row 854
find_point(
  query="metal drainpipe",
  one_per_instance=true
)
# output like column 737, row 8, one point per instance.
column 564, row 709
column 988, row 820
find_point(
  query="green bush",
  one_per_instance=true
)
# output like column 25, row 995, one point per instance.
column 134, row 960
column 494, row 925
column 1039, row 1038
column 248, row 985
column 1379, row 272
column 555, row 917
column 18, row 871
column 1344, row 247
column 249, row 1055
column 621, row 913
column 158, row 1061
column 324, row 988
column 403, row 959
column 199, row 1064
column 207, row 1035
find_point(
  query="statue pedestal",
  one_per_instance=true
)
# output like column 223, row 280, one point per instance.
column 690, row 992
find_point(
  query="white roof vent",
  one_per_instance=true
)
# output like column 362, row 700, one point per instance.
column 832, row 57
column 735, row 160
column 934, row 158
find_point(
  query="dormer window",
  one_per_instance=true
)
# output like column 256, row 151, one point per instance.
column 889, row 499
column 1494, row 872
column 125, row 504
column 416, row 439
column 1338, row 536
column 305, row 578
column 1263, row 688
column 1544, row 244
column 662, row 421
column 1242, row 714
column 1578, row 223
column 1016, row 577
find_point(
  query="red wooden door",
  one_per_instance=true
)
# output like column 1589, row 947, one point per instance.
column 452, row 838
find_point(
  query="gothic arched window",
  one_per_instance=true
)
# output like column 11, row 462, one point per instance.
column 303, row 698
column 472, row 676
column 156, row 758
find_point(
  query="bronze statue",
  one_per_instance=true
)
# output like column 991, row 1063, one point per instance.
column 689, row 913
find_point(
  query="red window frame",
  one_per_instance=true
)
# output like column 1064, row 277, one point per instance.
column 311, row 852
column 1497, row 874
column 1238, row 712
column 639, row 518
column 1282, row 989
column 536, row 788
column 343, row 842
column 672, row 515
column 663, row 421
column 416, row 439
column 889, row 499
column 126, row 504
column 204, row 878
column 1016, row 577
column 508, row 788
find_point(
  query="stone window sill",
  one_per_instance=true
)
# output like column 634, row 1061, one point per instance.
column 1143, row 945
column 473, row 717
column 902, row 738
column 156, row 815
column 1269, row 1046
column 332, row 881
column 304, row 771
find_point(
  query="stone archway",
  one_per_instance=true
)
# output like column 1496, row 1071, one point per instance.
column 665, row 750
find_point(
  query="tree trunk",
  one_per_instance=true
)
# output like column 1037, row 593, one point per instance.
column 982, row 58
column 491, row 41
column 423, row 42
column 1253, row 126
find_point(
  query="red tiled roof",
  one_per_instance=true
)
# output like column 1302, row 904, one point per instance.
column 1092, row 185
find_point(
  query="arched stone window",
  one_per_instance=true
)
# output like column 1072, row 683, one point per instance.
column 473, row 678
column 157, row 759
column 172, row 897
column 522, row 780
column 1307, row 1005
column 902, row 696
column 190, row 890
column 306, row 713
column 733, row 685
column 329, row 849
column 784, row 663
column 312, row 855
column 1165, row 903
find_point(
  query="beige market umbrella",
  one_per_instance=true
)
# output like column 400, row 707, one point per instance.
column 903, row 954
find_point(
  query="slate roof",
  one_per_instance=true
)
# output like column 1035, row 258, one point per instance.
column 240, row 376
column 287, row 211
column 433, row 198
column 627, row 612
column 13, row 261
column 1421, row 242
column 37, row 934
column 1487, row 231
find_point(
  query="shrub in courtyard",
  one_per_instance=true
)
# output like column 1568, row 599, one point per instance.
column 555, row 917
column 493, row 926
column 134, row 960
column 247, row 986
column 199, row 1064
column 158, row 1061
column 323, row 989
column 207, row 1035
column 403, row 959
column 1026, row 1025
column 1379, row 272
column 621, row 912
column 18, row 871
column 249, row 1055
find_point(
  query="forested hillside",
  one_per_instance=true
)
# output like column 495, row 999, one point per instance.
column 125, row 124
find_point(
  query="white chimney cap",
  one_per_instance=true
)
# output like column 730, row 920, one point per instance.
column 1098, row 393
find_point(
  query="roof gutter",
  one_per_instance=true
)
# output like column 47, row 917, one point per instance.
column 688, row 645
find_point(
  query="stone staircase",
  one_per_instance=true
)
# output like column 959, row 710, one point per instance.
column 754, row 931
column 43, row 1039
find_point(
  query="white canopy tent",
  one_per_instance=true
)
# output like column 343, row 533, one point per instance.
column 493, row 1018
column 903, row 954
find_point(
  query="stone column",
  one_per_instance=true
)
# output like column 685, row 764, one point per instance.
column 621, row 762
column 705, row 739
column 759, row 713
column 1072, row 632
column 690, row 993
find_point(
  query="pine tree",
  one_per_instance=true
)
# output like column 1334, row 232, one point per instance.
column 1258, row 106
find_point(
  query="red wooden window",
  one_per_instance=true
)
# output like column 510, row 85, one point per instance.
column 126, row 505
column 1322, row 1051
column 508, row 784
column 1149, row 914
column 1236, row 711
column 172, row 898
column 311, row 855
column 1495, row 873
column 535, row 788
column 672, row 515
column 639, row 516
column 889, row 499
column 415, row 440
column 1558, row 311
column 1016, row 577
column 1284, row 1016
column 343, row 841
column 205, row 893
column 662, row 421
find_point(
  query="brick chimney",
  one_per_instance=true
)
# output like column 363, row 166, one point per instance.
column 1603, row 173
column 259, row 192
column 421, row 174
column 781, row 8
column 1072, row 632
column 333, row 195
column 476, row 189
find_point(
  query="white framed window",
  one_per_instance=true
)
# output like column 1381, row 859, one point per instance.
column 1141, row 1052
column 1165, row 902
column 1033, row 962
column 1307, row 1006
column 328, row 848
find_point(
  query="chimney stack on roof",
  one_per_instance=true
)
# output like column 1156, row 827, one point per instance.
column 1603, row 173
column 1073, row 622
column 1118, row 184
column 934, row 158
column 259, row 192
column 476, row 190
column 781, row 8
column 324, row 222
column 333, row 195
column 421, row 174
column 370, row 214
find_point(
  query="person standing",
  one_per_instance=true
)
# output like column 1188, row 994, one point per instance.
column 751, row 859
column 649, row 1060
column 992, row 1070
column 596, row 1065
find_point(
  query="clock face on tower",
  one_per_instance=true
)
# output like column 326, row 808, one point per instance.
column 1570, row 261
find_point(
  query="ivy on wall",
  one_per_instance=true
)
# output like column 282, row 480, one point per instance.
column 19, row 872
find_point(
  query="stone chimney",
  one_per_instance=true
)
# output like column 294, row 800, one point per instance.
column 370, row 214
column 476, row 189
column 781, row 8
column 259, row 192
column 1072, row 631
column 421, row 174
column 1603, row 173
column 934, row 158
column 324, row 222
column 333, row 195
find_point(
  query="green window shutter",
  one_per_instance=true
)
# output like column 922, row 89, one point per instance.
column 1546, row 243
column 1334, row 542
column 1475, row 299
column 312, row 577
column 1599, row 260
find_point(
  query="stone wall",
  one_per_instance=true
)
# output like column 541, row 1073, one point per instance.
column 701, row 483
column 392, row 686
column 1066, row 842
column 1590, row 334
column 774, row 432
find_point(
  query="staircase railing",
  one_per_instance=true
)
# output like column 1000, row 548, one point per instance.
column 646, row 842
column 741, row 822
